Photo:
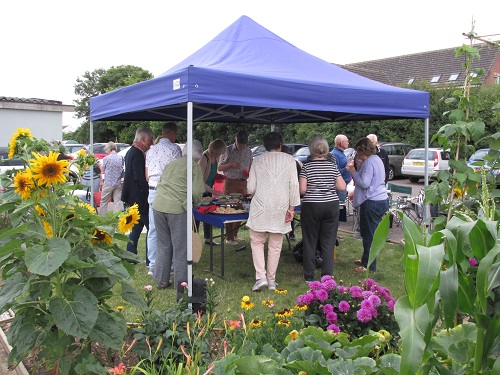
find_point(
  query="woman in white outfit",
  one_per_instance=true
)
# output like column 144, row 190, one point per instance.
column 273, row 181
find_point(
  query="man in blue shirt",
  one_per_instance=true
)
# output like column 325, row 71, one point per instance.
column 342, row 143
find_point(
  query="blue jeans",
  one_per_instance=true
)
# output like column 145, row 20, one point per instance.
column 152, row 237
column 342, row 195
column 370, row 215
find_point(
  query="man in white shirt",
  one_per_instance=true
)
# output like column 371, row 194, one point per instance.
column 158, row 156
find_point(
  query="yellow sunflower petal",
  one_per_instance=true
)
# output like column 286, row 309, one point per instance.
column 23, row 182
column 129, row 219
column 47, row 170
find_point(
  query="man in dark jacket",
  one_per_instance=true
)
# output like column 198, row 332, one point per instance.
column 382, row 154
column 135, row 186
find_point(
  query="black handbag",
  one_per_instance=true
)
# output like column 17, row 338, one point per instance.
column 298, row 254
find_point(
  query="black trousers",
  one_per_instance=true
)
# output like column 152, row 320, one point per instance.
column 320, row 222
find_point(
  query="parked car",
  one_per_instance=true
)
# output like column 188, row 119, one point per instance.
column 99, row 149
column 294, row 147
column 477, row 161
column 302, row 153
column 259, row 149
column 74, row 147
column 414, row 163
column 396, row 152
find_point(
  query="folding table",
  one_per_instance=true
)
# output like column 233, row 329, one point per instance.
column 218, row 220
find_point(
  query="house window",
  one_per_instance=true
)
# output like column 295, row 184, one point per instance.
column 453, row 77
column 496, row 79
column 411, row 80
column 435, row 79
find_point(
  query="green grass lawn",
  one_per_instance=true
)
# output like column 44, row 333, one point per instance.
column 240, row 276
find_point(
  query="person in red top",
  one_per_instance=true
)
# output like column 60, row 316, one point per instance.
column 235, row 164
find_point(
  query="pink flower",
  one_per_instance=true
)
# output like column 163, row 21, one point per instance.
column 366, row 304
column 148, row 288
column 321, row 294
column 334, row 328
column 329, row 284
column 344, row 306
column 390, row 304
column 364, row 315
column 375, row 300
column 315, row 285
column 327, row 308
column 326, row 278
column 356, row 292
column 342, row 289
column 473, row 262
column 184, row 284
column 331, row 317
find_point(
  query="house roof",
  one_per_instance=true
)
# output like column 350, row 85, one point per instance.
column 422, row 67
column 28, row 100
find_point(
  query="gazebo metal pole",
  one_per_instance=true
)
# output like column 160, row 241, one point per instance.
column 189, row 200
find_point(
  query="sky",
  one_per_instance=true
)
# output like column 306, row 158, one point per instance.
column 46, row 45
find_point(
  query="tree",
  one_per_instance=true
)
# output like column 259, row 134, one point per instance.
column 101, row 81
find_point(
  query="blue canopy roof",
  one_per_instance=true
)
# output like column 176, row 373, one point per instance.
column 248, row 74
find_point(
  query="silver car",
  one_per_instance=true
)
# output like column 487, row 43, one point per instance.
column 414, row 163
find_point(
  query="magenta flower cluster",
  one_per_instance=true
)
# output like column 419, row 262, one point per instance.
column 355, row 309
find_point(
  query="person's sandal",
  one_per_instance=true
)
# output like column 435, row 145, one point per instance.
column 163, row 285
column 362, row 270
column 358, row 262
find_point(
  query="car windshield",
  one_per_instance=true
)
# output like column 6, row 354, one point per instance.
column 304, row 151
column 479, row 155
column 431, row 155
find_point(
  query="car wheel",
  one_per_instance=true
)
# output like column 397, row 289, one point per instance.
column 413, row 179
column 392, row 173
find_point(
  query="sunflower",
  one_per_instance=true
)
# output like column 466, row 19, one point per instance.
column 20, row 133
column 129, row 219
column 268, row 302
column 280, row 291
column 88, row 207
column 284, row 322
column 457, row 193
column 284, row 313
column 48, row 170
column 301, row 307
column 246, row 303
column 255, row 323
column 48, row 228
column 23, row 182
column 101, row 236
column 81, row 152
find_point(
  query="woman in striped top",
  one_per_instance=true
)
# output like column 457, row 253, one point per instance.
column 319, row 181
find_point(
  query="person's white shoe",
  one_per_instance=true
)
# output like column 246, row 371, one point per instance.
column 259, row 285
column 150, row 273
column 232, row 242
column 271, row 285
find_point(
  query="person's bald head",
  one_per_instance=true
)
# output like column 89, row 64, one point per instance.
column 341, row 142
column 373, row 138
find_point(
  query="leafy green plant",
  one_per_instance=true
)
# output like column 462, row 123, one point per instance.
column 315, row 351
column 449, row 316
column 179, row 336
column 60, row 263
